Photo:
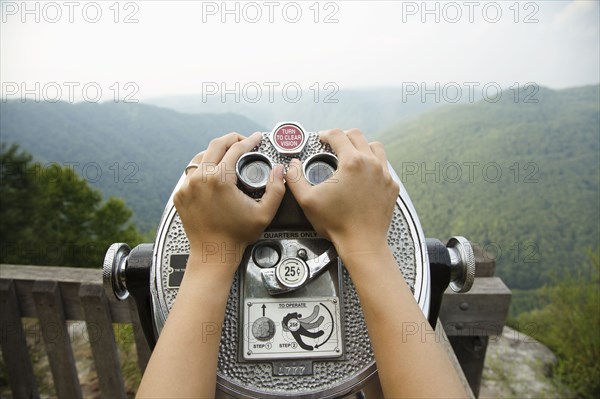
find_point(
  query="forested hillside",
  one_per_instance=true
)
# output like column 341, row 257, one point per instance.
column 521, row 178
column 132, row 151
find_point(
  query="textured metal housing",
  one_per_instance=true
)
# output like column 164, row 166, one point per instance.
column 330, row 378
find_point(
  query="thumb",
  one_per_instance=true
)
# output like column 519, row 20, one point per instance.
column 274, row 191
column 296, row 180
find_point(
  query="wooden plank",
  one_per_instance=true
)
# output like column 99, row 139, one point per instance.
column 69, row 280
column 102, row 339
column 58, row 273
column 455, row 361
column 470, row 352
column 14, row 345
column 485, row 262
column 141, row 344
column 49, row 307
column 480, row 312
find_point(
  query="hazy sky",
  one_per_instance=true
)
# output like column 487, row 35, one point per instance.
column 175, row 47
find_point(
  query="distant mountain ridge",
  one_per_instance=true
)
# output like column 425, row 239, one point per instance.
column 371, row 110
column 133, row 151
column 521, row 178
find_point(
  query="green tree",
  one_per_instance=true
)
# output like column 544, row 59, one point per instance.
column 51, row 216
column 569, row 325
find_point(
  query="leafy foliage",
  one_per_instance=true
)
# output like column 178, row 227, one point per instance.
column 50, row 216
column 569, row 324
column 524, row 301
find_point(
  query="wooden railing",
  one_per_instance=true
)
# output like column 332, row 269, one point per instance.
column 54, row 295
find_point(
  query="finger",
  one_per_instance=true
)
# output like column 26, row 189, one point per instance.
column 296, row 180
column 197, row 159
column 238, row 149
column 218, row 147
column 358, row 140
column 274, row 192
column 379, row 151
column 338, row 141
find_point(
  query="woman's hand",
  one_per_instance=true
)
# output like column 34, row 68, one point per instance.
column 354, row 207
column 354, row 210
column 218, row 218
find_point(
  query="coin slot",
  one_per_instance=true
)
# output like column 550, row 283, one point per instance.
column 265, row 255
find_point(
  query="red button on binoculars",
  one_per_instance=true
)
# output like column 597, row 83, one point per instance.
column 288, row 138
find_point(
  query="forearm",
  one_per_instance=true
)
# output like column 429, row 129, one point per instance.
column 410, row 358
column 191, row 335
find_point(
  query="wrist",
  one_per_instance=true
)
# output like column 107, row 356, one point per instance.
column 217, row 252
column 205, row 285
column 198, row 268
column 366, row 263
column 364, row 246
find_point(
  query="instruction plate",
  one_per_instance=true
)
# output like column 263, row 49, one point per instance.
column 293, row 328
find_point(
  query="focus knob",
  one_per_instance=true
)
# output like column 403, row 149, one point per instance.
column 113, row 271
column 462, row 264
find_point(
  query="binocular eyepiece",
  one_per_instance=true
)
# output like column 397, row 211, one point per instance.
column 320, row 167
column 253, row 169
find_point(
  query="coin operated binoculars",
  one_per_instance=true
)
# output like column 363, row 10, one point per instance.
column 293, row 326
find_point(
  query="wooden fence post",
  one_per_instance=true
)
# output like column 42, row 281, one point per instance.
column 102, row 340
column 141, row 344
column 49, row 307
column 14, row 345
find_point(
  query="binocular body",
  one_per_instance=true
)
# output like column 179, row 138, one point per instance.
column 293, row 326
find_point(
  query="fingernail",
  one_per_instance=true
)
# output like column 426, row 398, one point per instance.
column 256, row 135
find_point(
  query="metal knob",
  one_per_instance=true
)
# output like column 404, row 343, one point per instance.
column 292, row 272
column 113, row 271
column 462, row 264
